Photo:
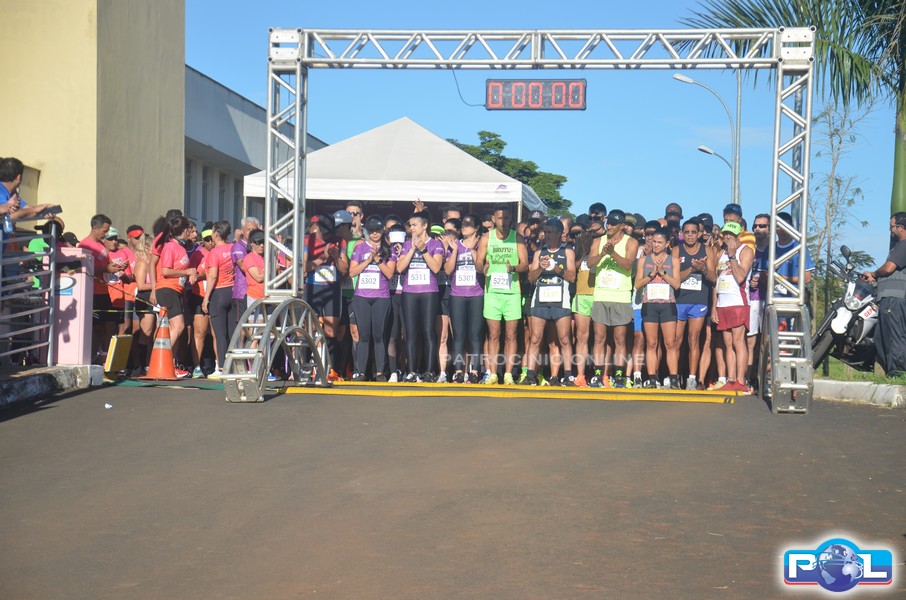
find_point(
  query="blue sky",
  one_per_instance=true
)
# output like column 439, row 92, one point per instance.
column 633, row 148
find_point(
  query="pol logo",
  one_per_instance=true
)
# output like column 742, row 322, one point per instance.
column 838, row 565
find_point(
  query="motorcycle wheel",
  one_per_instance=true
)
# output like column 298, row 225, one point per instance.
column 821, row 347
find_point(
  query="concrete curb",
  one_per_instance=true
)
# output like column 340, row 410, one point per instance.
column 37, row 383
column 892, row 396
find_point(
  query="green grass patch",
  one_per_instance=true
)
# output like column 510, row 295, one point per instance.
column 840, row 372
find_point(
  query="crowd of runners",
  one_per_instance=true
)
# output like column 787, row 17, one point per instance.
column 606, row 299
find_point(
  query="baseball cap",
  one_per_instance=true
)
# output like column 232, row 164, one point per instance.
column 437, row 230
column 256, row 236
column 342, row 216
column 536, row 214
column 112, row 234
column 732, row 227
column 374, row 223
column 71, row 238
column 733, row 208
column 397, row 237
column 707, row 221
column 325, row 221
column 616, row 217
column 631, row 220
column 583, row 221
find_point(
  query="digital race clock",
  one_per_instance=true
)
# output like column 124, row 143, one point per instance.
column 535, row 94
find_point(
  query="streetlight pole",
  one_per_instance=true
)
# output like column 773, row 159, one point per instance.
column 734, row 130
column 707, row 150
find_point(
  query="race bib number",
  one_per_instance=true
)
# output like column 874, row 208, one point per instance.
column 369, row 281
column 346, row 283
column 727, row 285
column 658, row 291
column 418, row 277
column 500, row 281
column 550, row 293
column 395, row 283
column 326, row 274
column 610, row 280
column 466, row 276
column 693, row 283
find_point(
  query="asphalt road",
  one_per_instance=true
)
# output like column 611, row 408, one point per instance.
column 178, row 494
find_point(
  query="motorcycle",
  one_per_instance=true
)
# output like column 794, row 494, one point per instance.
column 846, row 330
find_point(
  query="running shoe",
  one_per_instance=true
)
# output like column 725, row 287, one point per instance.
column 569, row 381
column 555, row 382
column 530, row 380
column 394, row 377
column 717, row 385
column 359, row 376
column 410, row 378
column 597, row 380
column 181, row 373
column 508, row 379
column 333, row 376
column 197, row 373
column 522, row 377
column 542, row 380
column 427, row 378
column 491, row 379
column 442, row 378
column 458, row 377
column 619, row 382
column 637, row 380
column 215, row 375
column 650, row 383
column 674, row 383
column 272, row 378
column 380, row 378
column 473, row 378
column 580, row 381
column 691, row 384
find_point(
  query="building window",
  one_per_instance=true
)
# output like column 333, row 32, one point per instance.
column 237, row 197
column 205, row 191
column 225, row 212
column 187, row 201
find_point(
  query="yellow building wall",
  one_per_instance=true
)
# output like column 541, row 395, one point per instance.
column 141, row 109
column 94, row 101
column 48, row 109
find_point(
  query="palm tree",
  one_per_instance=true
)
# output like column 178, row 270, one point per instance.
column 860, row 52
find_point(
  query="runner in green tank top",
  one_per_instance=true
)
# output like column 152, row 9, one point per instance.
column 613, row 256
column 503, row 256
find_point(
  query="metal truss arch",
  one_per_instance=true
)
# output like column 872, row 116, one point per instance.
column 292, row 52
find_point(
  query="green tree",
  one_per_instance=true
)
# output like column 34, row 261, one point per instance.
column 860, row 52
column 547, row 185
column 832, row 205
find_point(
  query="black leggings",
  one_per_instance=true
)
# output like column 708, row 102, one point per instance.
column 371, row 317
column 419, row 312
column 468, row 325
column 394, row 344
column 223, row 319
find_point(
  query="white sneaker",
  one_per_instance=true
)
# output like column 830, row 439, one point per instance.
column 442, row 378
column 394, row 378
column 215, row 374
column 691, row 384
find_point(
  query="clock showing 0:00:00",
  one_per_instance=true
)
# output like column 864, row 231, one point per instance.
column 535, row 94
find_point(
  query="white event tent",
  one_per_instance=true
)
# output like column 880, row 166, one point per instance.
column 399, row 162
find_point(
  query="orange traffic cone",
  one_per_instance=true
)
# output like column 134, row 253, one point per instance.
column 161, row 366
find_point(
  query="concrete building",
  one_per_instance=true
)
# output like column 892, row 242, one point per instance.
column 79, row 111
column 99, row 104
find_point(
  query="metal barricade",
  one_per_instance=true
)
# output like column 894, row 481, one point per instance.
column 28, row 275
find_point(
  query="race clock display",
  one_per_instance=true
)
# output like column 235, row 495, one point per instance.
column 535, row 94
